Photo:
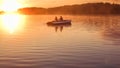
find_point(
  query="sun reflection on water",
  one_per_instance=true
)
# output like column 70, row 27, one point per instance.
column 12, row 22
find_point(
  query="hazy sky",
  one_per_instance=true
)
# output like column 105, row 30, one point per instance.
column 53, row 3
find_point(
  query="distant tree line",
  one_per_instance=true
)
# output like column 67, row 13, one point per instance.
column 87, row 9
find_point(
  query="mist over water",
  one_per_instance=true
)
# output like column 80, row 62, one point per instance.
column 90, row 42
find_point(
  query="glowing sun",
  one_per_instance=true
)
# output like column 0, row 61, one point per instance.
column 10, row 5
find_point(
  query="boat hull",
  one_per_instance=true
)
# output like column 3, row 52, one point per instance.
column 64, row 22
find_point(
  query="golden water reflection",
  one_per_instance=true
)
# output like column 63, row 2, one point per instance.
column 12, row 22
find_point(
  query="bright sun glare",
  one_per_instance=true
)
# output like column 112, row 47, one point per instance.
column 12, row 22
column 10, row 5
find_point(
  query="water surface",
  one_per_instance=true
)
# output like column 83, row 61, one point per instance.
column 90, row 42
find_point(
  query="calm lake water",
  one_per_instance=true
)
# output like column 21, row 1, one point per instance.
column 90, row 42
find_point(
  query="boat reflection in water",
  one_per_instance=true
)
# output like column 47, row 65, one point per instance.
column 60, row 27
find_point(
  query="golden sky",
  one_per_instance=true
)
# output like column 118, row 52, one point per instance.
column 53, row 3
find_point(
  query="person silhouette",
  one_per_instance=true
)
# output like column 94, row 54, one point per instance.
column 56, row 19
column 61, row 18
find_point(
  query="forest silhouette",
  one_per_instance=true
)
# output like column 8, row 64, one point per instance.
column 82, row 9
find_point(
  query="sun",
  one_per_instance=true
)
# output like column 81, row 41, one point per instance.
column 10, row 5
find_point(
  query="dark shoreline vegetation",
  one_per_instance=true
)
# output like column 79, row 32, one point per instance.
column 83, row 9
